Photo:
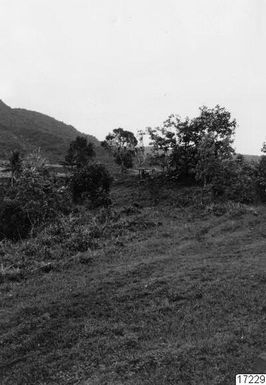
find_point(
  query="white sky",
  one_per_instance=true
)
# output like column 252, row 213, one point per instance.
column 103, row 64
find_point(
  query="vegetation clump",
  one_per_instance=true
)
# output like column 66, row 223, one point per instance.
column 200, row 152
column 178, row 145
column 122, row 144
column 79, row 153
column 14, row 221
column 91, row 183
column 38, row 193
column 35, row 196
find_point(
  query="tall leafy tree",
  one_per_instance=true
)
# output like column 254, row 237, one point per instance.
column 79, row 153
column 216, row 122
column 162, row 141
column 122, row 144
column 182, row 143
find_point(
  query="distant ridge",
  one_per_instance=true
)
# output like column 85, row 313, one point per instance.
column 25, row 130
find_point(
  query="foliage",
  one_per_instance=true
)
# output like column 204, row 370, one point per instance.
column 235, row 179
column 153, row 185
column 79, row 153
column 122, row 144
column 59, row 240
column 35, row 161
column 14, row 221
column 179, row 145
column 124, row 159
column 80, row 231
column 39, row 194
column 262, row 175
column 91, row 182
column 209, row 158
column 15, row 165
column 162, row 141
column 140, row 154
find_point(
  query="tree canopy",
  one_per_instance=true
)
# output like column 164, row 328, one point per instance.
column 122, row 144
column 178, row 144
column 79, row 153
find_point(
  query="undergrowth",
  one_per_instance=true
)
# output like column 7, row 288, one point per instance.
column 59, row 242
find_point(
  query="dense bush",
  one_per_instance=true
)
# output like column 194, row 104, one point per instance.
column 14, row 222
column 235, row 180
column 79, row 153
column 124, row 159
column 39, row 195
column 91, row 183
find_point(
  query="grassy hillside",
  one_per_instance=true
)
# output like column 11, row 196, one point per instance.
column 26, row 130
column 166, row 294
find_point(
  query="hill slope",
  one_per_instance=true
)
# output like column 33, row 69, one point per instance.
column 172, row 296
column 26, row 130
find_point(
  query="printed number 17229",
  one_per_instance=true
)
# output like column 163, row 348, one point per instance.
column 246, row 379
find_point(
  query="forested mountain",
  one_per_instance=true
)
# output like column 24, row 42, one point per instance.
column 26, row 130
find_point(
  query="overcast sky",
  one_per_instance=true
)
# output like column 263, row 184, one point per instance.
column 103, row 64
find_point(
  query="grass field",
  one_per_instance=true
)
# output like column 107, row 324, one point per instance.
column 173, row 296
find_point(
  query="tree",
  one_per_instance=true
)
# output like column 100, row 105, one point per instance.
column 235, row 180
column 122, row 144
column 91, row 182
column 162, row 141
column 178, row 142
column 209, row 158
column 207, row 163
column 217, row 122
column 79, row 153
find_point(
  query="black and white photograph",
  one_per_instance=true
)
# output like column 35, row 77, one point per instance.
column 132, row 192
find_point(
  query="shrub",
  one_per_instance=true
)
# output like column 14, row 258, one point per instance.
column 79, row 153
column 91, row 183
column 235, row 180
column 124, row 159
column 39, row 196
column 14, row 222
column 80, row 240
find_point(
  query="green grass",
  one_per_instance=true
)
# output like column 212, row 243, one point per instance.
column 169, row 296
